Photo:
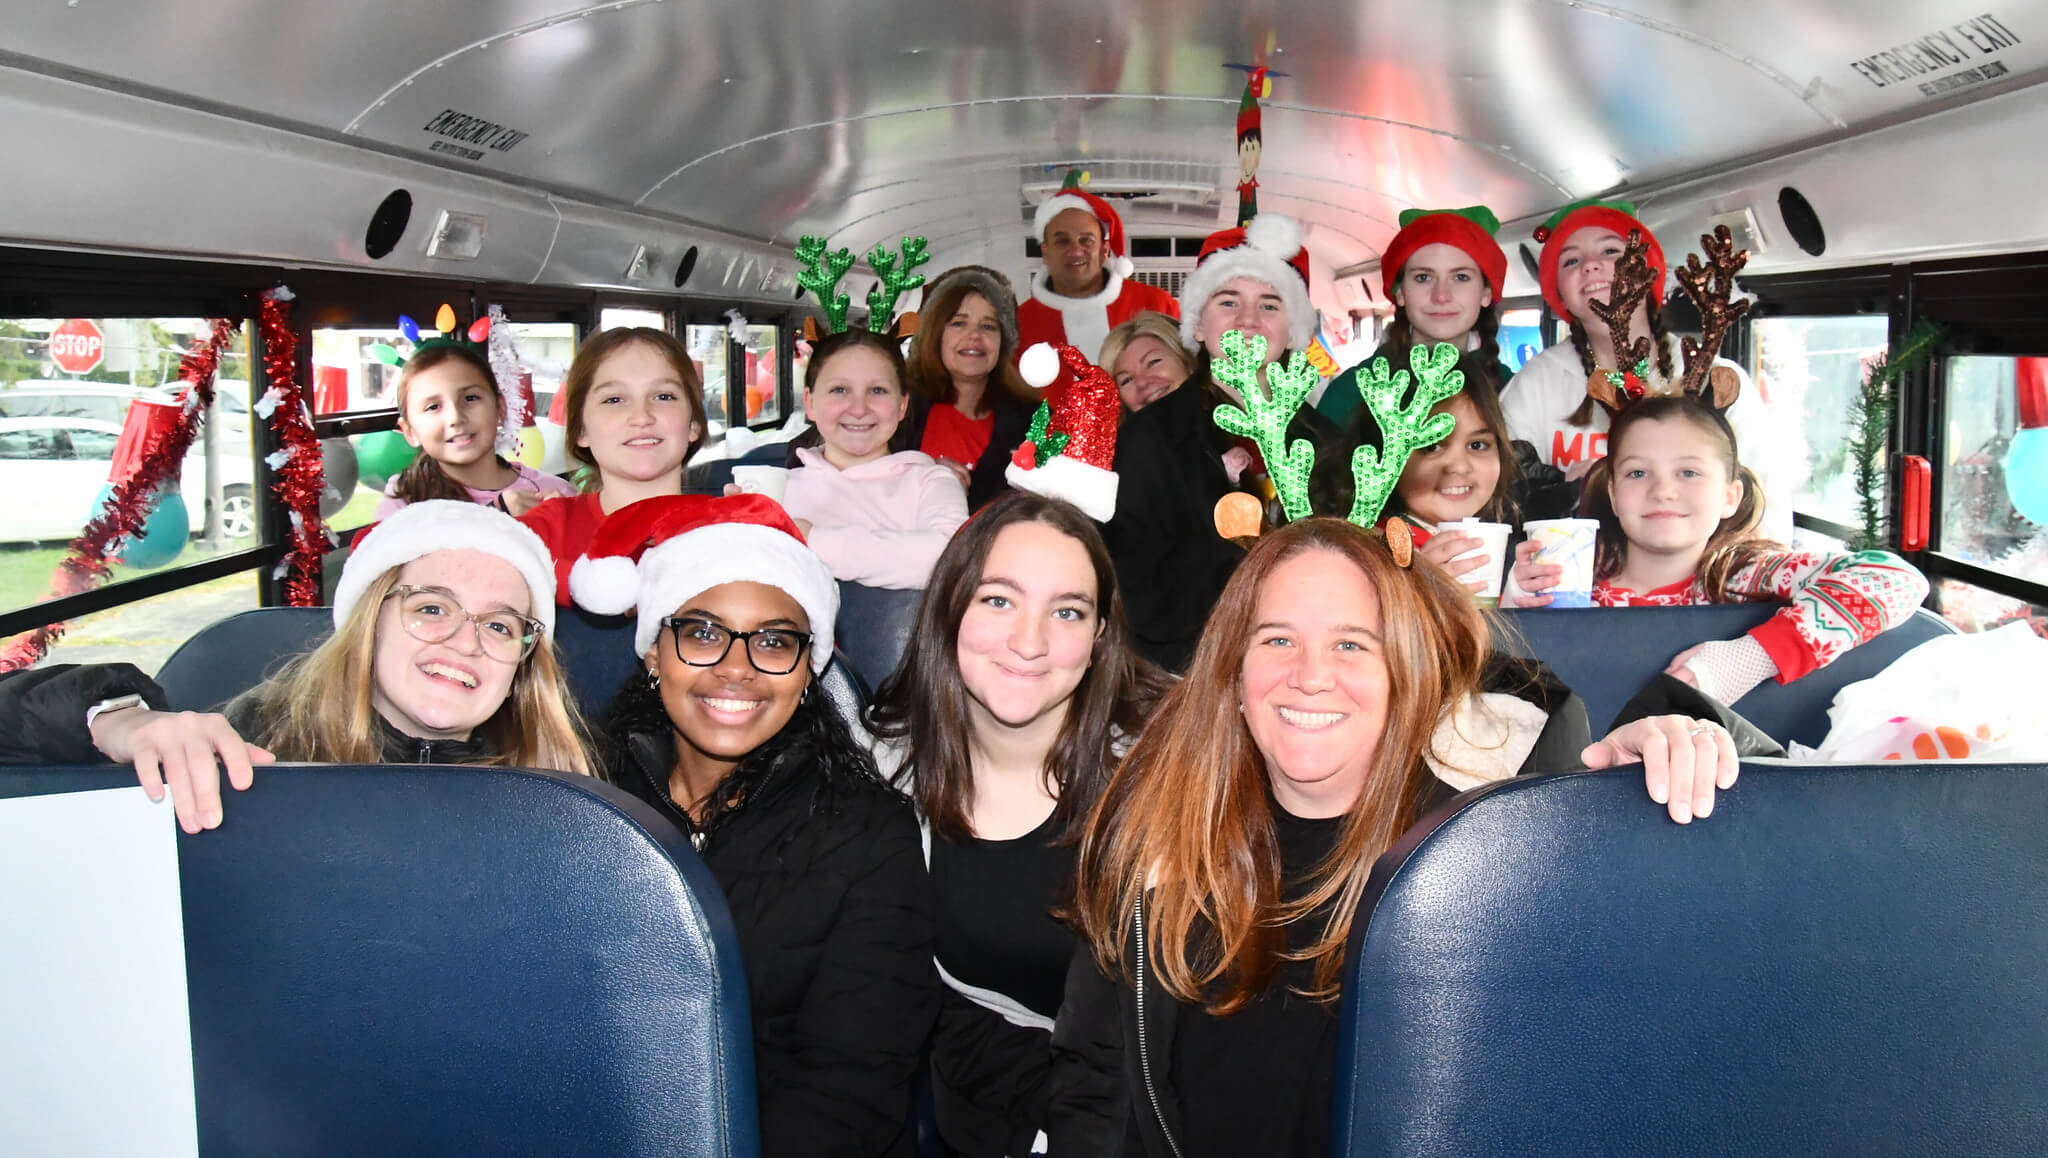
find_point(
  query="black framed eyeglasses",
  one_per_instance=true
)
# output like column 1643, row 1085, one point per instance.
column 434, row 615
column 702, row 643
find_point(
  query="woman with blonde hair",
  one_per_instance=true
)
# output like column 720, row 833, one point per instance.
column 1146, row 358
column 1219, row 874
column 440, row 655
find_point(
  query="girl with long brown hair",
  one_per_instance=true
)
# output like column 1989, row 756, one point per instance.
column 1219, row 874
column 1018, row 692
column 449, row 406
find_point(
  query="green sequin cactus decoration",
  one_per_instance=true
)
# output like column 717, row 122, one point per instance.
column 1265, row 414
column 820, row 275
column 1404, row 429
column 1044, row 442
column 895, row 279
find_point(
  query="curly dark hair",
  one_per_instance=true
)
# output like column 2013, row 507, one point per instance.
column 814, row 738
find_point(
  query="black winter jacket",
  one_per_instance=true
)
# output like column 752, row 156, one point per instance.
column 42, row 710
column 834, row 916
column 1111, row 1090
column 1170, row 562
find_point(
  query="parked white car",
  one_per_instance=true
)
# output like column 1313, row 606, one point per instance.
column 52, row 468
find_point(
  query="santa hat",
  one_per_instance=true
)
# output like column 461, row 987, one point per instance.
column 448, row 525
column 1072, row 196
column 1270, row 250
column 1469, row 230
column 1618, row 216
column 1071, row 449
column 687, row 544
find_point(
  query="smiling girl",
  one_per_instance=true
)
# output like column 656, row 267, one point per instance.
column 449, row 407
column 1018, row 693
column 1678, row 518
column 1547, row 405
column 728, row 735
column 635, row 407
column 876, row 518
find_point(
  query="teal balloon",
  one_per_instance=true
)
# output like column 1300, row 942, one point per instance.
column 380, row 456
column 164, row 532
column 2026, row 474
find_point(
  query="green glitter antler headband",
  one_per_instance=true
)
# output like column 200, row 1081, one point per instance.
column 1403, row 429
column 823, row 268
column 1263, row 418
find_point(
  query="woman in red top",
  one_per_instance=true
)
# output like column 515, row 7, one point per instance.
column 635, row 409
column 969, row 407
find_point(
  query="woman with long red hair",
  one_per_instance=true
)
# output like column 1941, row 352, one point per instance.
column 1329, row 705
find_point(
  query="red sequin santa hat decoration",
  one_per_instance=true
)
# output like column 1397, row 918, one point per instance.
column 658, row 554
column 1070, row 452
column 1268, row 250
column 1072, row 196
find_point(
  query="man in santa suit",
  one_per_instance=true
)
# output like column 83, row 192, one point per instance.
column 1085, row 289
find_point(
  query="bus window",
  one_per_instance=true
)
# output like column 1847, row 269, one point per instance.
column 1811, row 369
column 1978, row 524
column 614, row 317
column 764, row 376
column 708, row 350
column 146, row 631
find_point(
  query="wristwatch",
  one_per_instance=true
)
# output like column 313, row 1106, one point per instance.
column 118, row 703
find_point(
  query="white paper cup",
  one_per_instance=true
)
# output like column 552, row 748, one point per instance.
column 1567, row 543
column 762, row 480
column 1493, row 539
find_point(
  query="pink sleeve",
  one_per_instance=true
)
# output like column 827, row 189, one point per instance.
column 387, row 508
column 1836, row 602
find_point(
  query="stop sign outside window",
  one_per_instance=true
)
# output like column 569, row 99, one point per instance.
column 77, row 346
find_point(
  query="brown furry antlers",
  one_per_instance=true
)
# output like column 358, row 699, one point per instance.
column 1634, row 282
column 1712, row 290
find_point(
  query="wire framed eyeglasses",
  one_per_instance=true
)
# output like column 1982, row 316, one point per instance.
column 434, row 615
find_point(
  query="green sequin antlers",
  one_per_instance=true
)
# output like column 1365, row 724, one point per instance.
column 1404, row 429
column 824, row 268
column 1264, row 417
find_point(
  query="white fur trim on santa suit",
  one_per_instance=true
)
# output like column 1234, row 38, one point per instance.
column 1249, row 260
column 423, row 528
column 674, row 572
column 1090, row 488
column 1086, row 320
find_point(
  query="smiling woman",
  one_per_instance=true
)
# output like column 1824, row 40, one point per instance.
column 726, row 733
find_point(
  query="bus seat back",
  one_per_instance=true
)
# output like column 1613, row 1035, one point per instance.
column 402, row 960
column 1840, row 960
column 1607, row 655
column 227, row 658
column 874, row 628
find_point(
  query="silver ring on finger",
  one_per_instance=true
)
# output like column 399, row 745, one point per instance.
column 1702, row 729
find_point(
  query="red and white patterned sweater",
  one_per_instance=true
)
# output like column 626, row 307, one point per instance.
column 1836, row 602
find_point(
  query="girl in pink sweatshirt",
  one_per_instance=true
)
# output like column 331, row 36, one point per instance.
column 876, row 518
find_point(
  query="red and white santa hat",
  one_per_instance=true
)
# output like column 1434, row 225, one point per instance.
column 658, row 554
column 1081, row 419
column 1072, row 196
column 423, row 528
column 1270, row 250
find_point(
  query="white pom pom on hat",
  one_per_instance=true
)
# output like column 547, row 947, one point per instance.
column 1040, row 365
column 1275, row 234
column 608, row 585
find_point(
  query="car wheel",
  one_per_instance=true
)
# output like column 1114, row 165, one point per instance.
column 238, row 513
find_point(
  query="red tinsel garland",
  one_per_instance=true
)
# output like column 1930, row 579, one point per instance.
column 129, row 500
column 300, row 474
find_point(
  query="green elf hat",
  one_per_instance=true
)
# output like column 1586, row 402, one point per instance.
column 1470, row 230
column 1619, row 216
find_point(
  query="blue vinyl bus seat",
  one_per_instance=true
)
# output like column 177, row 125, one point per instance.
column 398, row 960
column 1841, row 960
column 1607, row 655
column 874, row 629
column 228, row 658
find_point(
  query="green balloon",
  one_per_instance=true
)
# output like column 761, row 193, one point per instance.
column 382, row 454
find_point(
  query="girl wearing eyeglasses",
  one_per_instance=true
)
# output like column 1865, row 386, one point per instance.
column 440, row 655
column 728, row 734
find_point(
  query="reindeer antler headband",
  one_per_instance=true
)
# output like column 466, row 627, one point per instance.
column 1710, row 287
column 823, row 268
column 1405, row 418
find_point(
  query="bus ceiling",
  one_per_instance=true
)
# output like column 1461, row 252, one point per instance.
column 599, row 144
